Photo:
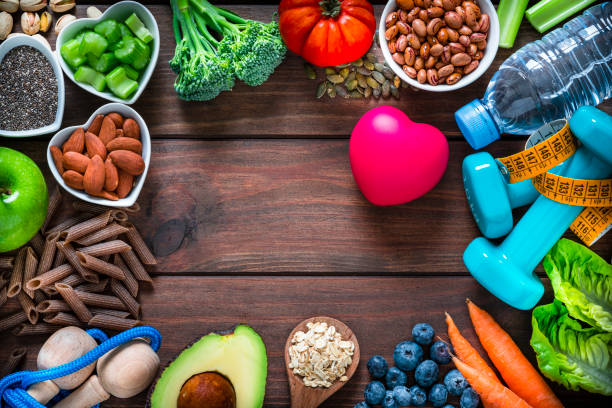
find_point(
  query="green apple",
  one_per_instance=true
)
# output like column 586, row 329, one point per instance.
column 23, row 199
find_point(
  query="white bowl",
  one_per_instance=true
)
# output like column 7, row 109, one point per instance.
column 63, row 135
column 23, row 39
column 119, row 11
column 492, row 44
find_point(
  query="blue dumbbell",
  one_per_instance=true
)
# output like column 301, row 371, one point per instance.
column 507, row 270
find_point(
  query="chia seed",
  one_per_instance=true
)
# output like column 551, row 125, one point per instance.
column 28, row 90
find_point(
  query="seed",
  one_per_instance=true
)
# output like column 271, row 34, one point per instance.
column 388, row 73
column 419, row 27
column 380, row 78
column 379, row 67
column 446, row 70
column 344, row 72
column 321, row 89
column 453, row 79
column 372, row 83
column 358, row 63
column 330, row 71
column 351, row 85
column 341, row 91
column 395, row 92
column 397, row 81
column 422, row 76
column 386, row 89
column 371, row 57
column 470, row 67
column 453, row 19
column 355, row 94
column 461, row 59
column 310, row 71
column 331, row 90
column 350, row 77
column 367, row 92
column 410, row 71
column 376, row 92
column 369, row 65
column 348, row 64
column 434, row 26
column 432, row 77
column 362, row 81
column 364, row 71
column 335, row 79
column 399, row 58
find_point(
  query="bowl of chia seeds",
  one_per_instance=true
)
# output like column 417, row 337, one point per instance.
column 31, row 88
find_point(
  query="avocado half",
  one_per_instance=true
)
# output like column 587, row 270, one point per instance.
column 239, row 357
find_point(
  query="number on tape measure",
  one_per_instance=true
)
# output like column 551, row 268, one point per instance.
column 584, row 193
column 592, row 224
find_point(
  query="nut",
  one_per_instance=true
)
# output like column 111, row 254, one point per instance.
column 9, row 6
column 419, row 27
column 75, row 161
column 125, row 143
column 96, row 124
column 57, row 156
column 108, row 130
column 93, row 12
column 75, row 143
column 93, row 180
column 130, row 162
column 94, row 146
column 63, row 21
column 30, row 23
column 60, row 6
column 460, row 59
column 111, row 175
column 126, row 181
column 42, row 39
column 46, row 19
column 6, row 24
column 32, row 5
column 117, row 118
column 131, row 128
column 434, row 26
column 73, row 179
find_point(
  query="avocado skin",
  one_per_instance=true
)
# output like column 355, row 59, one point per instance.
column 259, row 372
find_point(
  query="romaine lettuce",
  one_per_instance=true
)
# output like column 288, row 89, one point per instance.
column 569, row 354
column 583, row 281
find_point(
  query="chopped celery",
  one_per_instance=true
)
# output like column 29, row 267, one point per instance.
column 70, row 53
column 120, row 84
column 134, row 52
column 125, row 31
column 138, row 28
column 131, row 72
column 105, row 63
column 90, row 76
column 109, row 29
column 93, row 43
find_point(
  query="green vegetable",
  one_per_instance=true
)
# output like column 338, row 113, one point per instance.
column 249, row 50
column 70, row 53
column 574, row 356
column 510, row 14
column 134, row 52
column 109, row 29
column 93, row 43
column 138, row 28
column 120, row 84
column 130, row 72
column 105, row 63
column 125, row 31
column 90, row 76
column 547, row 13
column 583, row 281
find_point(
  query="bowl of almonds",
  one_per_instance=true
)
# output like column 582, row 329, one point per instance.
column 439, row 45
column 105, row 161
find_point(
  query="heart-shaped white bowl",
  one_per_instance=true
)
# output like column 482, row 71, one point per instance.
column 63, row 135
column 18, row 41
column 119, row 11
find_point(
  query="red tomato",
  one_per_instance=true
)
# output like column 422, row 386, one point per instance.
column 327, row 32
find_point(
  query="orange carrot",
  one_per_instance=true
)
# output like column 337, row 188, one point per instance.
column 491, row 392
column 516, row 370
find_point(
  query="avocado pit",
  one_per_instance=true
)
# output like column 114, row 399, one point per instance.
column 208, row 389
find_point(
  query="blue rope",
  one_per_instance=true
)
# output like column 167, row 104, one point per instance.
column 13, row 386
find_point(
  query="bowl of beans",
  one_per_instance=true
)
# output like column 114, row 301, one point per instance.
column 439, row 45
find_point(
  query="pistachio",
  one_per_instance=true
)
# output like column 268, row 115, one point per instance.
column 470, row 67
column 453, row 19
column 410, row 71
column 409, row 56
column 419, row 27
column 403, row 28
column 391, row 19
column 453, row 78
column 436, row 50
column 401, row 43
column 432, row 77
column 399, row 58
column 93, row 12
column 63, row 21
column 9, row 6
column 434, row 26
column 60, row 6
column 321, row 89
column 461, row 59
column 32, row 5
column 6, row 24
column 30, row 23
column 422, row 76
column 46, row 19
column 405, row 4
column 310, row 71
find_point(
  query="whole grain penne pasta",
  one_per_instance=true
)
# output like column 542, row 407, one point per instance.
column 83, row 206
column 119, row 215
column 3, row 296
column 13, row 320
column 14, row 361
column 69, row 222
column 100, row 266
column 62, row 319
column 103, row 301
column 7, row 262
column 93, row 287
column 76, row 304
column 48, row 253
column 117, row 313
column 49, row 290
column 27, row 329
column 50, row 277
column 87, row 227
column 132, row 209
column 39, row 296
column 37, row 243
column 29, row 271
column 55, row 199
column 17, row 276
column 73, row 260
column 73, row 280
column 60, row 259
column 106, row 248
column 136, row 266
column 130, row 281
column 111, row 230
column 104, row 321
column 28, row 306
column 52, row 306
column 122, row 293
column 5, row 277
column 139, row 246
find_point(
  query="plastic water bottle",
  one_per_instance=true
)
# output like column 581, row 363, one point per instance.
column 545, row 80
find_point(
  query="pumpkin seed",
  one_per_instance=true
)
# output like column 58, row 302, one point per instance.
column 330, row 71
column 395, row 91
column 335, row 79
column 386, row 89
column 371, row 57
column 380, row 78
column 362, row 81
column 341, row 91
column 344, row 72
column 351, row 85
column 321, row 89
column 397, row 81
column 372, row 83
column 388, row 73
column 351, row 76
column 364, row 71
column 331, row 90
column 341, row 66
column 360, row 90
column 379, row 67
column 358, row 63
column 355, row 94
column 368, row 65
column 310, row 71
column 367, row 92
column 376, row 93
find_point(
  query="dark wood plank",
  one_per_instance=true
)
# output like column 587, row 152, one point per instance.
column 381, row 312
column 287, row 206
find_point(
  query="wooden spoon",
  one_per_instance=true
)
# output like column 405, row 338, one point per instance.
column 308, row 397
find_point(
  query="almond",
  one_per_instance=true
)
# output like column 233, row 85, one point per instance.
column 119, row 133
column 125, row 184
column 107, row 195
column 76, row 142
column 117, row 118
column 131, row 129
column 93, row 181
column 107, row 131
column 130, row 162
column 73, row 179
column 125, row 143
column 94, row 146
column 75, row 161
column 96, row 125
column 111, row 175
column 57, row 155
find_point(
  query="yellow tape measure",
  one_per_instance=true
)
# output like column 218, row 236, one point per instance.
column 552, row 144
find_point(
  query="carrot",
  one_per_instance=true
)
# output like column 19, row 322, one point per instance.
column 492, row 393
column 516, row 370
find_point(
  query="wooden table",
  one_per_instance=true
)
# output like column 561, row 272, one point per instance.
column 251, row 207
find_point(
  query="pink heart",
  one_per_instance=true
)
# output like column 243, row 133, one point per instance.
column 395, row 160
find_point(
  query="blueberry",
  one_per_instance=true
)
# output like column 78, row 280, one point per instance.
column 361, row 404
column 377, row 366
column 426, row 373
column 438, row 395
column 395, row 377
column 402, row 395
column 446, row 406
column 423, row 333
column 455, row 382
column 440, row 353
column 469, row 398
column 418, row 396
column 389, row 400
column 374, row 393
column 407, row 355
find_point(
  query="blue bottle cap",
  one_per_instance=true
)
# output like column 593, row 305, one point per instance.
column 476, row 124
